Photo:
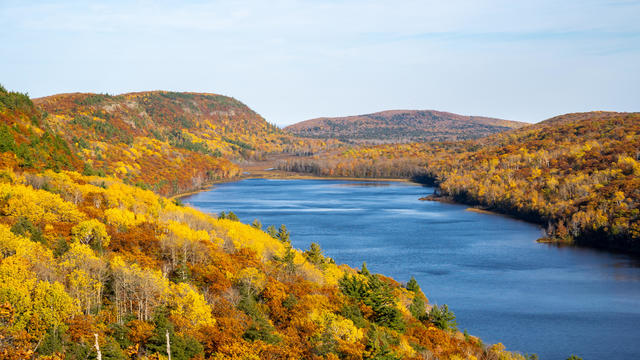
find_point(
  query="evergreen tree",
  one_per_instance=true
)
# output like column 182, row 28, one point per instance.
column 378, row 346
column 413, row 286
column 442, row 317
column 364, row 271
column 7, row 142
column 283, row 234
column 418, row 307
column 314, row 255
column 271, row 231
column 231, row 216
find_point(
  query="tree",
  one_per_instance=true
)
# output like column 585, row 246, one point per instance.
column 283, row 234
column 271, row 231
column 288, row 260
column 139, row 291
column 26, row 228
column 256, row 224
column 377, row 347
column 36, row 305
column 377, row 295
column 85, row 276
column 229, row 216
column 442, row 317
column 91, row 232
column 314, row 255
column 232, row 216
column 364, row 270
column 413, row 286
column 418, row 307
column 7, row 141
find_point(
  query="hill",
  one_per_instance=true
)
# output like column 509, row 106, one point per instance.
column 92, row 267
column 577, row 174
column 402, row 126
column 165, row 141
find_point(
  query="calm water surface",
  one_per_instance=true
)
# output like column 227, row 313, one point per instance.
column 501, row 284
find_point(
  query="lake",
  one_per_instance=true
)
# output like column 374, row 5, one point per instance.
column 501, row 284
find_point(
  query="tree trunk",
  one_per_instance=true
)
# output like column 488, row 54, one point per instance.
column 168, row 346
column 99, row 354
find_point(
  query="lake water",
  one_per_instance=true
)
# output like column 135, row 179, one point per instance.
column 501, row 284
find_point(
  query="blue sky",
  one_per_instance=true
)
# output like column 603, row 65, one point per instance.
column 295, row 60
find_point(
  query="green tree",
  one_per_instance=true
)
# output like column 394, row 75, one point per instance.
column 283, row 234
column 287, row 260
column 26, row 228
column 376, row 294
column 314, row 255
column 413, row 286
column 183, row 347
column 377, row 347
column 382, row 301
column 271, row 231
column 418, row 307
column 364, row 270
column 442, row 317
column 233, row 217
column 7, row 142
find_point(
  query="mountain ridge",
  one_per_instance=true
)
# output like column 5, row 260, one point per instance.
column 402, row 126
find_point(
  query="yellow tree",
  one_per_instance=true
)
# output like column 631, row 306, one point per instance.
column 85, row 276
column 37, row 305
column 91, row 232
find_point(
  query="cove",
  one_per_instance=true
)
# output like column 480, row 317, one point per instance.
column 501, row 284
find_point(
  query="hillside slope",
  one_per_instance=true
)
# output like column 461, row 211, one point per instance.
column 401, row 126
column 165, row 141
column 90, row 265
column 203, row 122
column 576, row 174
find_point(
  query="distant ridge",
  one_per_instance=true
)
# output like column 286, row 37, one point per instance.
column 401, row 126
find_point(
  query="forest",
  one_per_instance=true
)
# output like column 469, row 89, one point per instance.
column 95, row 263
column 402, row 126
column 168, row 142
column 578, row 175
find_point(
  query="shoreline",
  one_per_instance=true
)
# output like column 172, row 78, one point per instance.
column 481, row 210
column 281, row 175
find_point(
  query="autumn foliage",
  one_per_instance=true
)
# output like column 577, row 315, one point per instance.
column 402, row 126
column 86, row 258
column 101, row 257
column 578, row 175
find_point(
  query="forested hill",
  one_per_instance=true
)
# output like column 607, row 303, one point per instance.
column 576, row 174
column 200, row 122
column 92, row 267
column 165, row 141
column 402, row 126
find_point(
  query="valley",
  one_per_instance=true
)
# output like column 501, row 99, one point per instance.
column 99, row 250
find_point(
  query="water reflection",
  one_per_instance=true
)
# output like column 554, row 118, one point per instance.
column 364, row 183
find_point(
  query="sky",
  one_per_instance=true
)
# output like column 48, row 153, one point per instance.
column 295, row 60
